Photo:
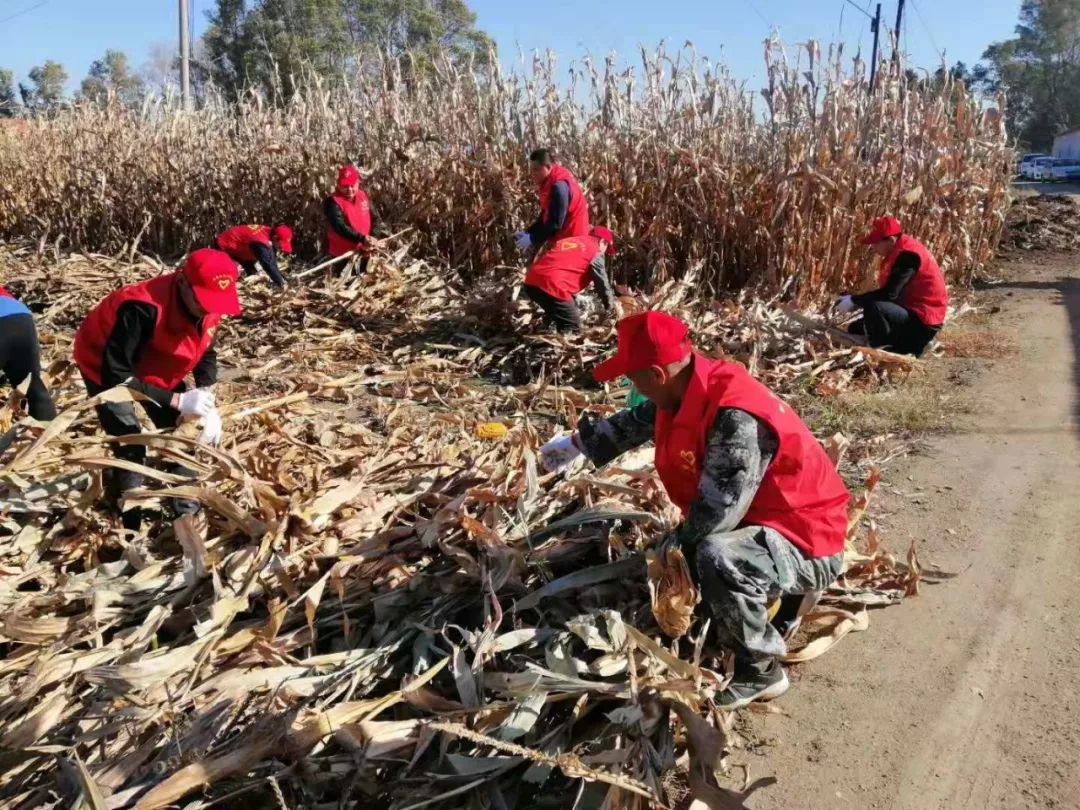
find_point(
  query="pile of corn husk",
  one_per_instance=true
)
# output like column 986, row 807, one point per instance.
column 1043, row 222
column 386, row 601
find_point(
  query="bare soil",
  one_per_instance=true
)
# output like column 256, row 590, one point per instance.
column 966, row 696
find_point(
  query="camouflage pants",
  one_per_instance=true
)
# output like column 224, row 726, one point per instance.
column 739, row 571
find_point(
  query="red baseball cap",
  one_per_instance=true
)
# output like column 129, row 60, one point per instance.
column 348, row 176
column 882, row 228
column 212, row 275
column 600, row 232
column 283, row 235
column 645, row 340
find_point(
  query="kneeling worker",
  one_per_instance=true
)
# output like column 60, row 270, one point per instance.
column 765, row 512
column 565, row 270
column 908, row 308
column 149, row 336
column 251, row 244
column 20, row 355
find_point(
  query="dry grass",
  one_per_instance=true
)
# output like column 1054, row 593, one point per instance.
column 974, row 341
column 688, row 167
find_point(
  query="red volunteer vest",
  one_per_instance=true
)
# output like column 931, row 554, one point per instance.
column 5, row 294
column 358, row 214
column 236, row 241
column 175, row 348
column 801, row 495
column 563, row 270
column 925, row 294
column 577, row 213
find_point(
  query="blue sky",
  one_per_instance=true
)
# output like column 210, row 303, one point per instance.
column 76, row 32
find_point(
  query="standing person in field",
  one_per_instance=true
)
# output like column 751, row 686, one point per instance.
column 249, row 245
column 350, row 218
column 20, row 355
column 558, row 274
column 765, row 512
column 149, row 336
column 564, row 211
column 908, row 308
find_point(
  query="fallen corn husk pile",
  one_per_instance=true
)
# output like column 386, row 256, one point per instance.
column 1044, row 222
column 378, row 608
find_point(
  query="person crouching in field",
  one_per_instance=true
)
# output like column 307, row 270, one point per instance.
column 558, row 274
column 350, row 218
column 249, row 245
column 20, row 355
column 764, row 510
column 908, row 308
column 564, row 211
column 149, row 336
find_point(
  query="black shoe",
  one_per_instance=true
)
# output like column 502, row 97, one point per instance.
column 750, row 685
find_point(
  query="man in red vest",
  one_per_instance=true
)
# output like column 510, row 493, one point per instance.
column 564, row 211
column 765, row 512
column 251, row 244
column 558, row 274
column 149, row 336
column 350, row 218
column 908, row 308
column 20, row 355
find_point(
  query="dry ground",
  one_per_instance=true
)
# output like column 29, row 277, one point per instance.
column 966, row 697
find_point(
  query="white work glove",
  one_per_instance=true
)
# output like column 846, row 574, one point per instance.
column 196, row 402
column 845, row 304
column 211, row 428
column 523, row 240
column 558, row 453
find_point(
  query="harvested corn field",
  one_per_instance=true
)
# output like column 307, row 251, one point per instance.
column 692, row 171
column 385, row 603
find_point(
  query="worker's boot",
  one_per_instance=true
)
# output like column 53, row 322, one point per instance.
column 757, row 681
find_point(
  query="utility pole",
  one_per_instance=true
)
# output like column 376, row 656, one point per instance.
column 899, row 19
column 875, row 26
column 185, row 57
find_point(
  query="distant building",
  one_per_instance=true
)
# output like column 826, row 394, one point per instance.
column 1067, row 144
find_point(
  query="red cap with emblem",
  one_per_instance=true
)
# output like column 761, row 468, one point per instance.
column 212, row 275
column 283, row 234
column 348, row 176
column 882, row 228
column 645, row 340
column 600, row 232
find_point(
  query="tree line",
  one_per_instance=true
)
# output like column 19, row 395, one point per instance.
column 267, row 44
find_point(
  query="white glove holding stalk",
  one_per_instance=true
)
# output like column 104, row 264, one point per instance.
column 845, row 304
column 196, row 402
column 559, row 453
column 523, row 240
column 212, row 428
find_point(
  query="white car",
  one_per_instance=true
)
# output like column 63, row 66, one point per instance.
column 1027, row 164
column 1043, row 169
column 1066, row 169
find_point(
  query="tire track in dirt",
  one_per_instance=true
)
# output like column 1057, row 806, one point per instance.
column 967, row 696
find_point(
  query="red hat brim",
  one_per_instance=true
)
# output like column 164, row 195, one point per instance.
column 218, row 302
column 614, row 367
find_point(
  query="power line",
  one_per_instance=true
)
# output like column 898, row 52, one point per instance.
column 926, row 28
column 757, row 11
column 24, row 11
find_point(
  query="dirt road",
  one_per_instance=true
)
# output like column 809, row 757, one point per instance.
column 966, row 696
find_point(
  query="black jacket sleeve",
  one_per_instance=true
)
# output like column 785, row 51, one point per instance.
column 267, row 259
column 598, row 272
column 903, row 270
column 553, row 219
column 135, row 321
column 336, row 218
column 205, row 371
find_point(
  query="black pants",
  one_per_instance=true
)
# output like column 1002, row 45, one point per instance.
column 20, row 357
column 563, row 315
column 890, row 326
column 119, row 419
